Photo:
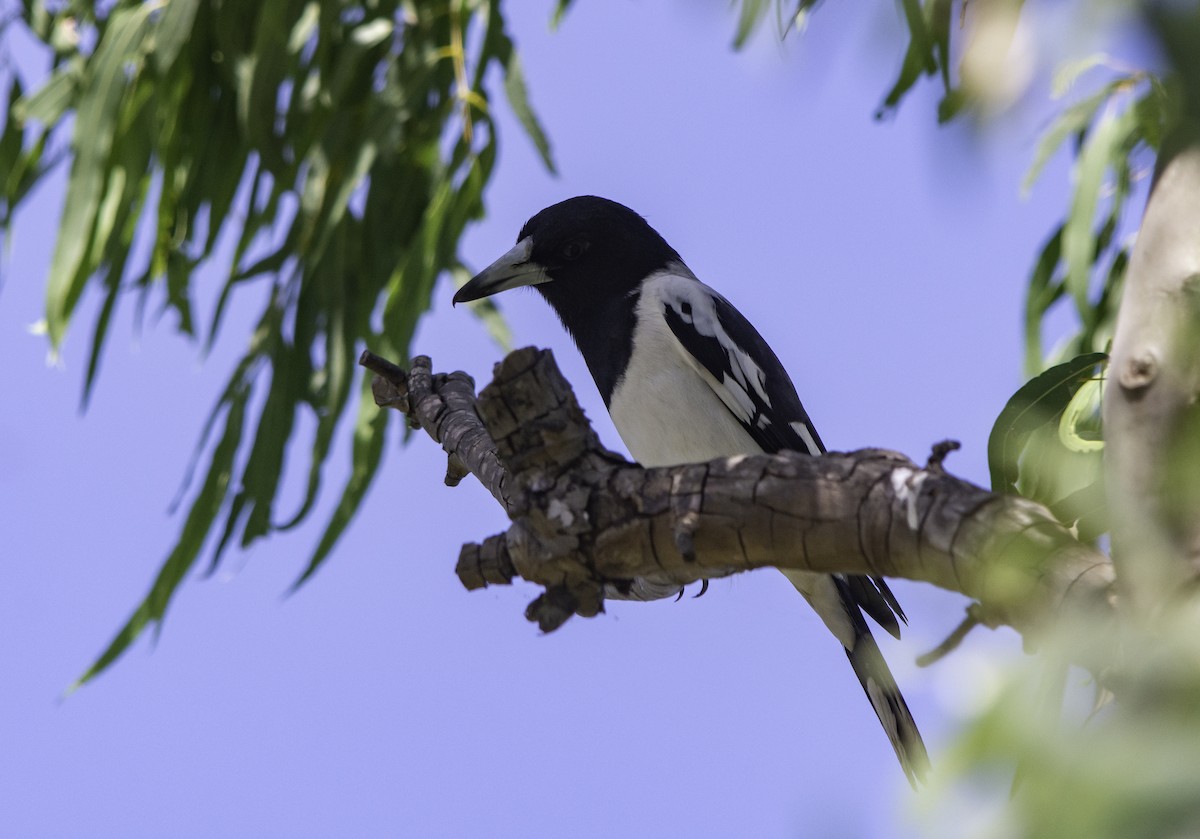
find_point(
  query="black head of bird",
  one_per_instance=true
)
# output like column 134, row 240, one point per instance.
column 579, row 254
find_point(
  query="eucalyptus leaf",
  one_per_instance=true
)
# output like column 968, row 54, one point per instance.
column 172, row 31
column 750, row 14
column 560, row 11
column 1070, row 72
column 1085, row 508
column 195, row 529
column 1044, row 291
column 12, row 141
column 1073, row 121
column 919, row 58
column 1038, row 404
column 343, row 154
column 366, row 455
column 518, row 100
column 49, row 102
column 1099, row 153
column 1079, row 425
column 95, row 126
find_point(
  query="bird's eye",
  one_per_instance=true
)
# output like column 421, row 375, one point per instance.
column 573, row 250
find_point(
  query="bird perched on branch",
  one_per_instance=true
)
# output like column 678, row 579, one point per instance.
column 686, row 379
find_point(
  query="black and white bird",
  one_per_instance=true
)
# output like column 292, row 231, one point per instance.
column 686, row 379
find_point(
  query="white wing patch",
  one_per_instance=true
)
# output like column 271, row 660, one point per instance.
column 693, row 302
column 667, row 408
column 735, row 396
column 693, row 389
column 806, row 435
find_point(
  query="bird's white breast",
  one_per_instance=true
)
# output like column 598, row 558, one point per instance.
column 667, row 411
column 664, row 407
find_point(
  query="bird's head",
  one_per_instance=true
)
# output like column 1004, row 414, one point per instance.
column 579, row 253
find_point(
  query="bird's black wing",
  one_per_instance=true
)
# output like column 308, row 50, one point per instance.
column 748, row 376
column 752, row 383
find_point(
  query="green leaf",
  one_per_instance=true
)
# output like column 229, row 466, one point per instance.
column 179, row 273
column 750, row 15
column 1154, row 111
column 1079, row 425
column 264, row 467
column 95, row 126
column 518, row 100
column 28, row 170
column 241, row 379
column 938, row 14
column 326, row 218
column 345, row 132
column 1100, row 152
column 116, row 219
column 369, row 436
column 1069, row 72
column 235, row 517
column 99, row 334
column 1043, row 293
column 1177, row 27
column 199, row 521
column 498, row 44
column 918, row 58
column 1085, row 508
column 261, row 72
column 305, row 28
column 1038, row 403
column 336, row 378
column 560, row 11
column 1051, row 473
column 372, row 33
column 257, row 220
column 1072, row 121
column 48, row 104
column 12, row 141
column 172, row 31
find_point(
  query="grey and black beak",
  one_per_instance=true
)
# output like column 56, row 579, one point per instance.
column 512, row 270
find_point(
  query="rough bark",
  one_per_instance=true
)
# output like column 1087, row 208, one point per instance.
column 1150, row 421
column 587, row 523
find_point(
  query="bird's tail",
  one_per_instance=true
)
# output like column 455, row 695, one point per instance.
column 885, row 697
column 834, row 599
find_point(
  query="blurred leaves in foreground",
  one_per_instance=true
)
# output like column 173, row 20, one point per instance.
column 1046, row 444
column 1125, row 769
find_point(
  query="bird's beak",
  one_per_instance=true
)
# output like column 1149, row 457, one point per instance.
column 512, row 270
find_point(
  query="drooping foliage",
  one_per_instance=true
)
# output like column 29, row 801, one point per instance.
column 324, row 158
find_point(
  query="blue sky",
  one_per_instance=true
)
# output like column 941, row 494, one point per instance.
column 884, row 261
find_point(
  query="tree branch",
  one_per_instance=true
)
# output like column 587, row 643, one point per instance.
column 588, row 524
column 1151, row 425
column 444, row 406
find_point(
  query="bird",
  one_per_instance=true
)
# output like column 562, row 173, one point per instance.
column 686, row 378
